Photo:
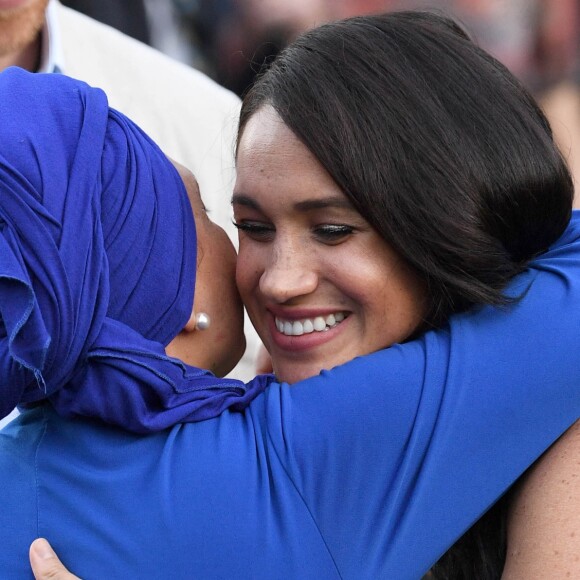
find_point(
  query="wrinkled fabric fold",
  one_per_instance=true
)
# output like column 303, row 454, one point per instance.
column 92, row 217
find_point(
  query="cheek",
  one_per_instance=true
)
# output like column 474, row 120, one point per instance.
column 241, row 280
column 219, row 255
column 247, row 273
column 403, row 306
column 391, row 299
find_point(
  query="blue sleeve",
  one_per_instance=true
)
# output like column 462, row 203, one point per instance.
column 396, row 454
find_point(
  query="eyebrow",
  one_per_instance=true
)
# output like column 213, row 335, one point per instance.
column 338, row 201
column 240, row 199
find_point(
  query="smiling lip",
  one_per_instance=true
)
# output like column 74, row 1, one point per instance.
column 303, row 331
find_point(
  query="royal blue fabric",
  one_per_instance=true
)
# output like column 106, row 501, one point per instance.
column 369, row 471
column 92, row 217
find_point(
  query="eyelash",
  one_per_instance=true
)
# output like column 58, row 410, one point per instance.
column 255, row 230
column 333, row 232
column 328, row 233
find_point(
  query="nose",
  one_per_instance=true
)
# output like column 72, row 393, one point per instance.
column 289, row 274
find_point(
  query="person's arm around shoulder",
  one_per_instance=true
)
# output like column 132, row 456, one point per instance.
column 544, row 521
column 45, row 563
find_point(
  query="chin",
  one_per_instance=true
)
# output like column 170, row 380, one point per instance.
column 293, row 372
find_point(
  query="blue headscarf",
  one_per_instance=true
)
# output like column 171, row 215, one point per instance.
column 97, row 263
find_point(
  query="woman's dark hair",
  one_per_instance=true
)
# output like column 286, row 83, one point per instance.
column 435, row 143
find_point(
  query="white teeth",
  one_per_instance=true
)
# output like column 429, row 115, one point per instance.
column 297, row 328
column 308, row 325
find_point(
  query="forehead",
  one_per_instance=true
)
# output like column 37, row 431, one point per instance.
column 271, row 159
column 265, row 138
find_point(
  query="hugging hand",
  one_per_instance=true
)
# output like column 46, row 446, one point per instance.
column 45, row 563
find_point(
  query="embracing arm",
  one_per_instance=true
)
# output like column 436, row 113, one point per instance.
column 544, row 520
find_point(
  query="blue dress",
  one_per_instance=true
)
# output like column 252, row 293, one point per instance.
column 370, row 470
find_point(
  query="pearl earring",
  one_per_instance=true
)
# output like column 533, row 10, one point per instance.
column 202, row 321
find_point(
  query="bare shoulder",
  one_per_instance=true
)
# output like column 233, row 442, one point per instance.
column 544, row 519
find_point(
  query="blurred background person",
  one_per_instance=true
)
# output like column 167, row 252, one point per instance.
column 129, row 16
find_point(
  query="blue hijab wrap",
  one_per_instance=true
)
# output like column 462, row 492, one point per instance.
column 97, row 264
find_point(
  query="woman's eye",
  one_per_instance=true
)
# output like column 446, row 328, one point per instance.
column 256, row 230
column 332, row 233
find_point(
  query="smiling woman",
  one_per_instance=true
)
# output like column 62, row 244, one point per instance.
column 320, row 284
column 370, row 190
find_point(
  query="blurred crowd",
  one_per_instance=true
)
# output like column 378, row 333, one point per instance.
column 536, row 39
column 231, row 40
